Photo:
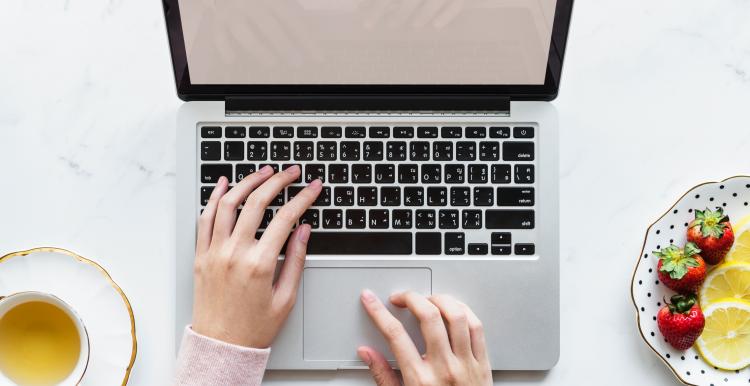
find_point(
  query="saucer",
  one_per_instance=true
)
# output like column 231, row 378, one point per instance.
column 91, row 292
column 733, row 195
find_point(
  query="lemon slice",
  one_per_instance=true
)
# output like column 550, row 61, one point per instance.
column 729, row 280
column 725, row 341
column 740, row 251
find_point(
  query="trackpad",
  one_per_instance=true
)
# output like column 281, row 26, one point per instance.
column 335, row 323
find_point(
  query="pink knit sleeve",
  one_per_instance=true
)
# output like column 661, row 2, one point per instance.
column 204, row 361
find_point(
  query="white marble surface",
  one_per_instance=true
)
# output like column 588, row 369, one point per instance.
column 655, row 99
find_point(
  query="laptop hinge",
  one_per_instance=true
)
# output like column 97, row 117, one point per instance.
column 384, row 104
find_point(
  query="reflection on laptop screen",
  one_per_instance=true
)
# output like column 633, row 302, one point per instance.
column 368, row 42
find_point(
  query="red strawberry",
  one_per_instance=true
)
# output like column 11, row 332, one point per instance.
column 712, row 232
column 681, row 322
column 682, row 270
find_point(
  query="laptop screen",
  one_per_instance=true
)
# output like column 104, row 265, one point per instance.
column 367, row 42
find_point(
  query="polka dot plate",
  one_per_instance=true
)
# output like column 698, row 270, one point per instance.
column 733, row 195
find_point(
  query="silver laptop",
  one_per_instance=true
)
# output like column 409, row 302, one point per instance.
column 429, row 123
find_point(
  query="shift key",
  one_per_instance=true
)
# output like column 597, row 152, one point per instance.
column 509, row 219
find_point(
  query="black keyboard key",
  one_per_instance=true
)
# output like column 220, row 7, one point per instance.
column 338, row 173
column 311, row 217
column 343, row 196
column 501, row 249
column 518, row 151
column 524, row 249
column 484, row 196
column 307, row 132
column 267, row 218
column 413, row 196
column 243, row 170
column 367, row 196
column 304, row 151
column 403, row 132
column 292, row 191
column 210, row 132
column 390, row 196
column 206, row 194
column 315, row 172
column 211, row 151
column 431, row 173
column 476, row 132
column 234, row 132
column 281, row 151
column 395, row 151
column 419, row 151
column 385, row 174
column 454, row 174
column 210, row 173
column 442, row 151
column 501, row 174
column 380, row 132
column 471, row 219
column 361, row 173
column 477, row 249
column 524, row 174
column 234, row 151
column 460, row 196
column 489, row 151
column 437, row 196
column 427, row 132
column 355, row 218
column 378, row 218
column 478, row 174
column 500, row 132
column 349, row 151
column 515, row 196
column 260, row 132
column 360, row 243
column 327, row 151
column 283, row 132
column 450, row 132
column 372, row 151
column 523, row 132
column 448, row 219
column 408, row 173
column 503, row 238
column 333, row 218
column 455, row 243
column 278, row 200
column 257, row 151
column 330, row 132
column 324, row 198
column 355, row 132
column 466, row 151
column 509, row 219
column 425, row 219
column 401, row 219
column 427, row 243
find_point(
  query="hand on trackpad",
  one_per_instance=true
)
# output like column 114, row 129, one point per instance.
column 335, row 323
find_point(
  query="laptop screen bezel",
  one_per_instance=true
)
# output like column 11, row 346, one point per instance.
column 188, row 91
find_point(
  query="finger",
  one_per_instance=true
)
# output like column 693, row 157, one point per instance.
column 206, row 220
column 380, row 369
column 226, row 216
column 256, row 204
column 476, row 330
column 401, row 345
column 278, row 230
column 430, row 322
column 458, row 323
column 288, row 282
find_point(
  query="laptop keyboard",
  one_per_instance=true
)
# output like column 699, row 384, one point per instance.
column 392, row 190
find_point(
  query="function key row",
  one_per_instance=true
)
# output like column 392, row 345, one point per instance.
column 365, row 132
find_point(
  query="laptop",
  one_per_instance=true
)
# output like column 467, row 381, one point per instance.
column 430, row 124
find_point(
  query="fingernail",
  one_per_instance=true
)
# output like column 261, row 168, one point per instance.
column 304, row 233
column 223, row 180
column 266, row 169
column 365, row 356
column 292, row 169
column 368, row 296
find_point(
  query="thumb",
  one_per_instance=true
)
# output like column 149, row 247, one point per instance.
column 381, row 371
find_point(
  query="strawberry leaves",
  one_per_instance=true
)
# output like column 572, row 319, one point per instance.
column 681, row 303
column 677, row 261
column 712, row 223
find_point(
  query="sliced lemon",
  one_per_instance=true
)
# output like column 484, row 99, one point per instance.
column 741, row 249
column 725, row 341
column 729, row 280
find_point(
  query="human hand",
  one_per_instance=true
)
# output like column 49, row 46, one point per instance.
column 454, row 339
column 235, row 298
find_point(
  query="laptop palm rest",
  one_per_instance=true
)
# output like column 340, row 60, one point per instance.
column 335, row 323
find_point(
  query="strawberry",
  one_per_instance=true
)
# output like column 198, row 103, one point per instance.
column 681, row 322
column 682, row 270
column 712, row 233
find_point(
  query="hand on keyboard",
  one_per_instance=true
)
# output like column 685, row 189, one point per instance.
column 236, row 300
column 454, row 339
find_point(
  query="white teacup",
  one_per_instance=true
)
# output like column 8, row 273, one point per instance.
column 9, row 302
